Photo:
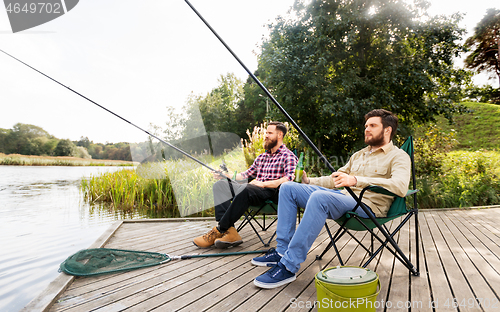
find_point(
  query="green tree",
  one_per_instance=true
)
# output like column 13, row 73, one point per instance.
column 336, row 60
column 65, row 148
column 217, row 108
column 485, row 43
column 27, row 139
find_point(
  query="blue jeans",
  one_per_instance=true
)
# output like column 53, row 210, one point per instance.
column 320, row 203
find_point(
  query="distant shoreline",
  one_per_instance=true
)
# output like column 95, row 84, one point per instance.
column 28, row 160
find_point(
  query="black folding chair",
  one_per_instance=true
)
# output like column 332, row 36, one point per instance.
column 267, row 208
column 351, row 221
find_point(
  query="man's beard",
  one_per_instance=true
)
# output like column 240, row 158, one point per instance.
column 375, row 141
column 268, row 145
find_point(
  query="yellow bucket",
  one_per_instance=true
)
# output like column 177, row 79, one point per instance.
column 347, row 289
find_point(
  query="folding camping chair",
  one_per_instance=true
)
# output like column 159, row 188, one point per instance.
column 267, row 208
column 352, row 221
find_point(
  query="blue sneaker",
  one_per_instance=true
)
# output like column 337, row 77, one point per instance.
column 271, row 257
column 277, row 276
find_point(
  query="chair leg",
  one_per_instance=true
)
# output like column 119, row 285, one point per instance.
column 331, row 244
column 416, row 244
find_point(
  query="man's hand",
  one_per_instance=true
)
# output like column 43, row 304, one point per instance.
column 219, row 175
column 341, row 179
column 258, row 183
column 305, row 179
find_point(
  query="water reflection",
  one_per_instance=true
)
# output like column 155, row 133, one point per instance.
column 43, row 220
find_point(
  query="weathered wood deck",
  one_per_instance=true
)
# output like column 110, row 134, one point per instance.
column 460, row 258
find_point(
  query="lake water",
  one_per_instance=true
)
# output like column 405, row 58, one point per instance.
column 43, row 220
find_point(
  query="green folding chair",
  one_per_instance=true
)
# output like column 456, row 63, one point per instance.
column 351, row 221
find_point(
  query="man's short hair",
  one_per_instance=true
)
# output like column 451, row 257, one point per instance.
column 279, row 126
column 388, row 119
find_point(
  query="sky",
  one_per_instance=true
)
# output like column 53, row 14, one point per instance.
column 137, row 58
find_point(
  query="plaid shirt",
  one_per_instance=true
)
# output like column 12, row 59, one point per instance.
column 268, row 167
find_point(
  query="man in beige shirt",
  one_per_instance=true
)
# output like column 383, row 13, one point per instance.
column 380, row 163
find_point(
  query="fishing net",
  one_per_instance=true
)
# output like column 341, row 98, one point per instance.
column 97, row 261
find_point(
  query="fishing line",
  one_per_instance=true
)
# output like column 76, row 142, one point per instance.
column 109, row 111
column 306, row 138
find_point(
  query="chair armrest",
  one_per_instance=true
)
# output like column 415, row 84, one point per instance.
column 381, row 190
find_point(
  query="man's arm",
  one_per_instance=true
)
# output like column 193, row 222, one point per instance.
column 270, row 184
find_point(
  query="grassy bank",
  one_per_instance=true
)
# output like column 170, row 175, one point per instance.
column 24, row 160
column 476, row 130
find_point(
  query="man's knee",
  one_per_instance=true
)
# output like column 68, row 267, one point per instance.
column 287, row 188
column 221, row 184
column 318, row 199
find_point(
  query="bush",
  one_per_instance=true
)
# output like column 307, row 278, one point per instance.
column 65, row 148
column 431, row 147
column 81, row 152
column 467, row 179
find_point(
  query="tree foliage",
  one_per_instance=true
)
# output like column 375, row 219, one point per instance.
column 27, row 139
column 486, row 44
column 337, row 60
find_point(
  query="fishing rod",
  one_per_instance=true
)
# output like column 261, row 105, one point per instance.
column 147, row 132
column 304, row 136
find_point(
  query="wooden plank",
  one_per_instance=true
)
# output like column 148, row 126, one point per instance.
column 420, row 295
column 458, row 282
column 483, row 257
column 45, row 300
column 400, row 281
column 437, row 277
column 485, row 234
column 483, row 222
column 384, row 268
column 464, row 253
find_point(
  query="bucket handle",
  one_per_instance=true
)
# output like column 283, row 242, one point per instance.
column 326, row 290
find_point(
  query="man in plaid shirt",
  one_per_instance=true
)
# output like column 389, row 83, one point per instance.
column 269, row 170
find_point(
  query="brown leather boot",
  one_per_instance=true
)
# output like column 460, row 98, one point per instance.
column 208, row 239
column 230, row 238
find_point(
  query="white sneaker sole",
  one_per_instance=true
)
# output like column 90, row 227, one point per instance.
column 273, row 285
column 263, row 264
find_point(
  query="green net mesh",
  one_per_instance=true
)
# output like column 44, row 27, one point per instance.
column 103, row 260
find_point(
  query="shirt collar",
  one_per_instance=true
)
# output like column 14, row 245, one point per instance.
column 386, row 148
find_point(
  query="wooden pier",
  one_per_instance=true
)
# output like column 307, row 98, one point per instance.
column 459, row 270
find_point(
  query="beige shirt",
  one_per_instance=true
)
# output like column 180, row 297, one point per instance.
column 388, row 167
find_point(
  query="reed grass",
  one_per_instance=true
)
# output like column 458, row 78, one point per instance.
column 169, row 189
column 25, row 160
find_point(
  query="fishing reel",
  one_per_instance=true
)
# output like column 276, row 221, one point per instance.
column 223, row 166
